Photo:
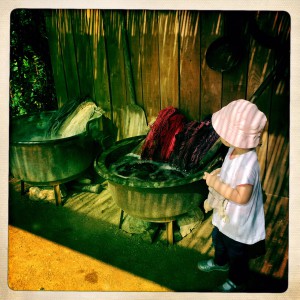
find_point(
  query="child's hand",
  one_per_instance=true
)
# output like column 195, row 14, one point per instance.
column 211, row 178
column 216, row 171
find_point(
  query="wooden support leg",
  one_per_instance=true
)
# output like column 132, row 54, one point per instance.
column 170, row 236
column 121, row 218
column 57, row 194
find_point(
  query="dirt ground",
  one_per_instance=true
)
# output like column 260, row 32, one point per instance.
column 59, row 249
column 45, row 265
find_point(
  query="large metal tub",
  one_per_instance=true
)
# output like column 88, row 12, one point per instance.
column 40, row 161
column 154, row 201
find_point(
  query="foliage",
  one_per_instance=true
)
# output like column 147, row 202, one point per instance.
column 31, row 82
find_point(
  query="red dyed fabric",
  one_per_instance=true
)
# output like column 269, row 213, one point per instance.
column 160, row 141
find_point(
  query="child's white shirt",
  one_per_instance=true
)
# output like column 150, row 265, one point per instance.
column 246, row 221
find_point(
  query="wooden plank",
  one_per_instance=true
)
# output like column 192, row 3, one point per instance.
column 133, row 115
column 168, row 58
column 277, row 173
column 133, row 31
column 99, row 61
column 211, row 81
column 112, row 25
column 68, row 53
column 190, row 64
column 56, row 57
column 80, row 26
column 259, row 66
column 235, row 80
column 150, row 64
column 116, row 67
column 261, row 62
column 276, row 176
column 277, row 225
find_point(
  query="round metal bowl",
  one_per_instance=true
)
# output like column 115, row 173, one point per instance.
column 154, row 201
column 39, row 160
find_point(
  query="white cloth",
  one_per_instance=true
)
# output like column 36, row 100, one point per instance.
column 247, row 221
column 218, row 202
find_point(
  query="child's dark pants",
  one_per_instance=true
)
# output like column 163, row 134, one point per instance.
column 235, row 253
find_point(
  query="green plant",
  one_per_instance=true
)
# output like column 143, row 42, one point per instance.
column 31, row 82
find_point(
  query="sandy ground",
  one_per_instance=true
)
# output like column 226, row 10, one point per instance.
column 45, row 265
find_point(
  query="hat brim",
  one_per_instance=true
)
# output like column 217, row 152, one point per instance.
column 231, row 134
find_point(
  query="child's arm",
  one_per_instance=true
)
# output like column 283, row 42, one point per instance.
column 241, row 194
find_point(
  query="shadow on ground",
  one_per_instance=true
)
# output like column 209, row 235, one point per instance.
column 173, row 267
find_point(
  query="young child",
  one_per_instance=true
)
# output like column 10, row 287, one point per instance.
column 239, row 125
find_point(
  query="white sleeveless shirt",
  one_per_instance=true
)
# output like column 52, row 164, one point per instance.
column 246, row 221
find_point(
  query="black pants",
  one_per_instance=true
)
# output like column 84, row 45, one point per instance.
column 235, row 253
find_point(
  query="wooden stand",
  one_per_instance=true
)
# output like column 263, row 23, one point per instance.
column 56, row 189
column 169, row 227
column 57, row 194
column 170, row 235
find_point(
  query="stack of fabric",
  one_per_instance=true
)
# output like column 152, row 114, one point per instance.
column 160, row 141
column 181, row 143
column 72, row 118
column 192, row 144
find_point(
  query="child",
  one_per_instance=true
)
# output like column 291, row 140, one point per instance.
column 239, row 125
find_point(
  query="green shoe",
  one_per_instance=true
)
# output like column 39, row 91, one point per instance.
column 209, row 265
column 229, row 287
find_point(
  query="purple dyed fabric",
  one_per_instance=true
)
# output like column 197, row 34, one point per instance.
column 192, row 144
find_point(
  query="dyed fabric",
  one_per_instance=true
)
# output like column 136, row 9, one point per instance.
column 175, row 140
column 192, row 144
column 208, row 138
column 184, row 144
column 160, row 141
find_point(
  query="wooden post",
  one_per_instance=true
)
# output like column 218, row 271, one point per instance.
column 170, row 236
column 121, row 218
column 57, row 194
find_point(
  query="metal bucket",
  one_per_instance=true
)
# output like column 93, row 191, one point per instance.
column 47, row 161
column 154, row 201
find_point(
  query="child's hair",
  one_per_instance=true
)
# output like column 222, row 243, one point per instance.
column 240, row 123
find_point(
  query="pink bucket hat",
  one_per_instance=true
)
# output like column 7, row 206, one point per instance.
column 240, row 123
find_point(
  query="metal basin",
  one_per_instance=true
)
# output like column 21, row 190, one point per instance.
column 154, row 201
column 38, row 160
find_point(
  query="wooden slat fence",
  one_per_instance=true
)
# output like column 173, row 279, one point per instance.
column 167, row 51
